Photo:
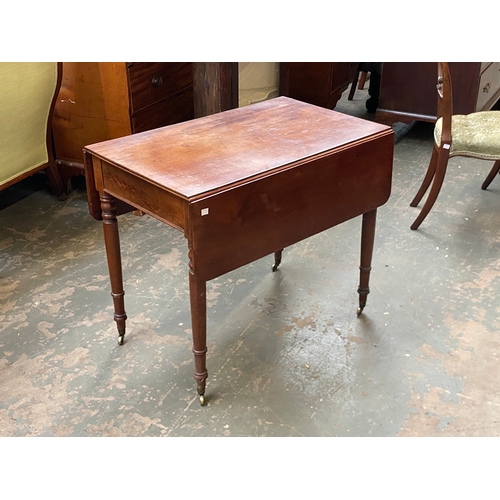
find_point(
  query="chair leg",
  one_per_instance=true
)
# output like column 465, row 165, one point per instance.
column 362, row 80
column 441, row 164
column 353, row 87
column 491, row 175
column 429, row 175
column 56, row 181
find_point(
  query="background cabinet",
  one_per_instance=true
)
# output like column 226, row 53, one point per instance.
column 408, row 90
column 101, row 101
column 320, row 83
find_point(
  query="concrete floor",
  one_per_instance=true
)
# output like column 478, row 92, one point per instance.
column 287, row 354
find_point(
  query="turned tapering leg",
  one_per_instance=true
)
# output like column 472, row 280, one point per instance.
column 277, row 259
column 367, row 242
column 198, row 299
column 112, row 244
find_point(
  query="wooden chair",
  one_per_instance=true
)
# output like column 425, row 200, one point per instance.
column 28, row 93
column 476, row 135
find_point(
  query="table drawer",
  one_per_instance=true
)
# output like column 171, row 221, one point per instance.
column 174, row 109
column 153, row 82
column 489, row 87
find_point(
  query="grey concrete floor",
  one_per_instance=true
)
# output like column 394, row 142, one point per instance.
column 287, row 355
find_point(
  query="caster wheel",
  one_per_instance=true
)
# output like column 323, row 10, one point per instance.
column 359, row 311
column 274, row 268
column 120, row 340
column 202, row 400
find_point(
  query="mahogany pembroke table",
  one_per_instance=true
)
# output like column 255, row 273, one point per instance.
column 242, row 184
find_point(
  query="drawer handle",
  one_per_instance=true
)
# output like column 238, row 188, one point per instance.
column 157, row 81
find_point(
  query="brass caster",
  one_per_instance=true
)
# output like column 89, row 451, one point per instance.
column 120, row 340
column 202, row 400
column 275, row 267
column 359, row 311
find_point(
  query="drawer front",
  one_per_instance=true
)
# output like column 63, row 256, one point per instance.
column 150, row 83
column 489, row 87
column 175, row 109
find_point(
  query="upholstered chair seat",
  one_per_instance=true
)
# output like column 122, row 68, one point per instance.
column 476, row 135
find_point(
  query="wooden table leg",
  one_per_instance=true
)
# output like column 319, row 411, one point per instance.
column 112, row 243
column 198, row 299
column 367, row 241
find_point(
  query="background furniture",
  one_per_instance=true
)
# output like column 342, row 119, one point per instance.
column 215, row 87
column 27, row 98
column 407, row 90
column 359, row 82
column 101, row 101
column 476, row 135
column 321, row 83
column 243, row 184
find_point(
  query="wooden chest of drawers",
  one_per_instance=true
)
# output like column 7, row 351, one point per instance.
column 489, row 86
column 408, row 90
column 101, row 101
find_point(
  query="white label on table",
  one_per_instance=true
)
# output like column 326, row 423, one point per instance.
column 204, row 211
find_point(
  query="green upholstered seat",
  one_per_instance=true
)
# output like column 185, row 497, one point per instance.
column 476, row 135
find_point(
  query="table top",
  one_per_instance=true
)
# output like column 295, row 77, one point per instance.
column 213, row 153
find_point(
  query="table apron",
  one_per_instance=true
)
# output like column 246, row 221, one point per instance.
column 146, row 196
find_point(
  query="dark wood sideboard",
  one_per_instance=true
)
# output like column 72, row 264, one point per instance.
column 408, row 90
